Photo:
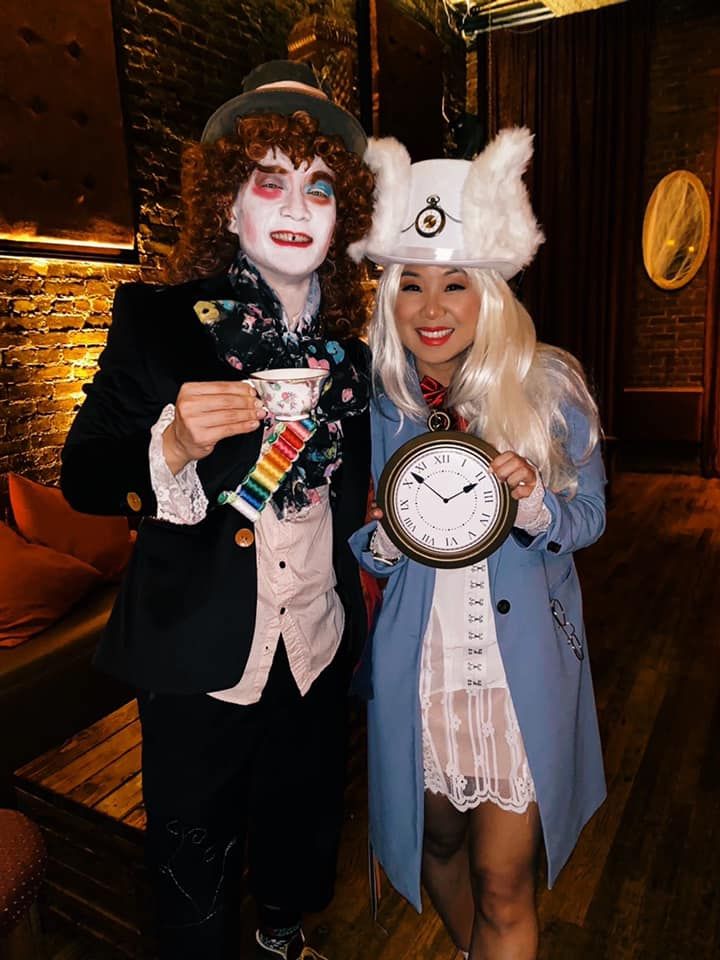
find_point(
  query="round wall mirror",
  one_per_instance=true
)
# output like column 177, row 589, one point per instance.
column 676, row 230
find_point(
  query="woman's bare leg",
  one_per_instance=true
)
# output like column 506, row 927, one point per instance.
column 503, row 849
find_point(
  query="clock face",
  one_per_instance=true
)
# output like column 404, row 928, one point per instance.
column 443, row 505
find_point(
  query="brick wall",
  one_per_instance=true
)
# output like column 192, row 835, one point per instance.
column 666, row 342
column 53, row 319
column 177, row 61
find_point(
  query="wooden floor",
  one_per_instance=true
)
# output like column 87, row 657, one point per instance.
column 644, row 882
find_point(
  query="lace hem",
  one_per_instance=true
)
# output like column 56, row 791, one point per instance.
column 483, row 797
column 180, row 496
column 473, row 751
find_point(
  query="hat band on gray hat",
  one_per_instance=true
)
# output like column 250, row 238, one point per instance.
column 284, row 87
column 293, row 86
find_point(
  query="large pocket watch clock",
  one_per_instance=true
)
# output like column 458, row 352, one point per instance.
column 442, row 504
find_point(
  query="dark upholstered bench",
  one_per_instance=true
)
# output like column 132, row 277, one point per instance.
column 49, row 689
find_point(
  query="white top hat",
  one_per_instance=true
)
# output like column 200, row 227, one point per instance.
column 460, row 212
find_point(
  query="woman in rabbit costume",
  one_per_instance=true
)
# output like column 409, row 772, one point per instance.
column 483, row 734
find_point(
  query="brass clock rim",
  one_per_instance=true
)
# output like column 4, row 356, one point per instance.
column 467, row 556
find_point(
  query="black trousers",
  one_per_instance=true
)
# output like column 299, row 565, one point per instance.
column 227, row 786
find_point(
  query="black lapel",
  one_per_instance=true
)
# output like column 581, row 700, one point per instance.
column 189, row 346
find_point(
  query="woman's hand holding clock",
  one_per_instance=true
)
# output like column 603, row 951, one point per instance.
column 519, row 474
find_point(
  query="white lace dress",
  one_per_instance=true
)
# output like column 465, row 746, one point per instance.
column 473, row 750
column 472, row 746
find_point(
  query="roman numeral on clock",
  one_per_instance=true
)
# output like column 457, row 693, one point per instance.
column 488, row 496
column 426, row 538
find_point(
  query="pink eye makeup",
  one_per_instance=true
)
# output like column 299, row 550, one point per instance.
column 267, row 184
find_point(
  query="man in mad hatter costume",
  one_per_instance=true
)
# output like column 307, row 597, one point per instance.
column 241, row 611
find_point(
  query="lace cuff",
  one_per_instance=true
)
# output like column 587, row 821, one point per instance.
column 533, row 516
column 180, row 496
column 382, row 548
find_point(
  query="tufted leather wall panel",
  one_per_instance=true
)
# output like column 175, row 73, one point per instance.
column 63, row 160
column 407, row 80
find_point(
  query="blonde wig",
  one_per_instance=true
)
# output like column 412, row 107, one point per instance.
column 513, row 391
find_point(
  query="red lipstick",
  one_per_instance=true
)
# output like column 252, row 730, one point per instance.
column 286, row 238
column 434, row 336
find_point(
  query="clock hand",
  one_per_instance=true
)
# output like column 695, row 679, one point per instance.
column 466, row 489
column 422, row 480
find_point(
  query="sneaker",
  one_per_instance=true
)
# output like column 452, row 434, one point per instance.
column 295, row 949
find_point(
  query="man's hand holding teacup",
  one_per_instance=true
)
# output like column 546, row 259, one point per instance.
column 206, row 413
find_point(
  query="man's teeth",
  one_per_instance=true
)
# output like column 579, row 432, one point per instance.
column 435, row 334
column 291, row 237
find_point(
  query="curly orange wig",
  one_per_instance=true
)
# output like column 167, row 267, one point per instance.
column 211, row 176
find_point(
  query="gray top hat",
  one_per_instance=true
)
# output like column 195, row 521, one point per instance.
column 283, row 87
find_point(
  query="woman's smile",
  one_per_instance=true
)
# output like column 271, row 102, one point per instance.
column 434, row 336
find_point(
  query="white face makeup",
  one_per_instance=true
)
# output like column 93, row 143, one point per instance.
column 285, row 217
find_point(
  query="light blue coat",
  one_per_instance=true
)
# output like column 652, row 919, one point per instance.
column 551, row 689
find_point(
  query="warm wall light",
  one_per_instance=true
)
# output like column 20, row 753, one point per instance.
column 472, row 17
column 562, row 7
column 22, row 245
column 26, row 238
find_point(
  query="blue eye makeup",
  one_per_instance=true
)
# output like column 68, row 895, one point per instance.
column 322, row 187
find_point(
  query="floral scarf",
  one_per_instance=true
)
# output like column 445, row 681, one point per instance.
column 251, row 333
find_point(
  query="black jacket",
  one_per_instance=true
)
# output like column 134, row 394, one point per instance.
column 185, row 614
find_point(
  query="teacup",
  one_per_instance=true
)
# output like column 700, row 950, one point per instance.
column 289, row 394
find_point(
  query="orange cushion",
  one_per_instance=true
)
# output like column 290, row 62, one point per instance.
column 44, row 516
column 37, row 586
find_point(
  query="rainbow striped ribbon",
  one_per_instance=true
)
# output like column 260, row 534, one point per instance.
column 280, row 450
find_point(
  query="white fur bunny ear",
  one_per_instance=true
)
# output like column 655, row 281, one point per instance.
column 390, row 163
column 498, row 221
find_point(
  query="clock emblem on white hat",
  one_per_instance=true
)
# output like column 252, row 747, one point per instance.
column 431, row 219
